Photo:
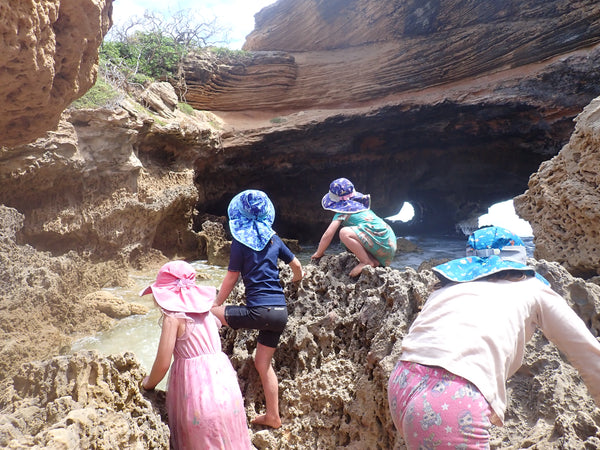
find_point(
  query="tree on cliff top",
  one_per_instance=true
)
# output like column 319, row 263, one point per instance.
column 152, row 47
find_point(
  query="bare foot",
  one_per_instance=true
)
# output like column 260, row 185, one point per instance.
column 374, row 261
column 264, row 420
column 357, row 269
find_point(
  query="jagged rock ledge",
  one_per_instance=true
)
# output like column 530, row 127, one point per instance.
column 403, row 98
column 562, row 203
column 342, row 341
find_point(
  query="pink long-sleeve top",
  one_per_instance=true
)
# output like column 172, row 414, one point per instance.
column 478, row 330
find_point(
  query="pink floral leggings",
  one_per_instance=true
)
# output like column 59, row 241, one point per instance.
column 435, row 409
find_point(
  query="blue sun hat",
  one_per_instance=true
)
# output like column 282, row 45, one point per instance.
column 489, row 250
column 342, row 198
column 251, row 215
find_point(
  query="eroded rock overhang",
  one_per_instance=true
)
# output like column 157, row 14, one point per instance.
column 451, row 107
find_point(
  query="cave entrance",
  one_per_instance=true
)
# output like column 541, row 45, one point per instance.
column 503, row 215
column 405, row 215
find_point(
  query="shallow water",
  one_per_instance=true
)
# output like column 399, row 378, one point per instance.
column 140, row 334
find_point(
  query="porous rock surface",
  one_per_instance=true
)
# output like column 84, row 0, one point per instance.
column 112, row 182
column 49, row 57
column 343, row 338
column 562, row 202
column 85, row 400
column 43, row 304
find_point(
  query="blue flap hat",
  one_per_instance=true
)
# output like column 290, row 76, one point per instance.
column 251, row 215
column 342, row 198
column 489, row 250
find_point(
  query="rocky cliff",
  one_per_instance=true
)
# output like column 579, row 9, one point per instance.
column 49, row 57
column 562, row 203
column 111, row 182
column 115, row 178
column 405, row 98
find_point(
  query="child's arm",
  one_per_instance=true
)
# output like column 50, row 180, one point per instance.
column 226, row 287
column 326, row 239
column 168, row 336
column 296, row 270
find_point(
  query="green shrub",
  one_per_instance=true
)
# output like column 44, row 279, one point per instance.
column 100, row 94
column 184, row 107
column 278, row 120
column 223, row 52
column 150, row 54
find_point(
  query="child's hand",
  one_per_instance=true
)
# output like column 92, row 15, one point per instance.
column 296, row 279
column 143, row 384
column 316, row 256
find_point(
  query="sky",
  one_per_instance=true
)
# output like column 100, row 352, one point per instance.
column 236, row 16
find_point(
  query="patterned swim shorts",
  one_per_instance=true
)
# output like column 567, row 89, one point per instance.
column 435, row 409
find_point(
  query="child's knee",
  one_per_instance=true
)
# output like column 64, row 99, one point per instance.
column 262, row 366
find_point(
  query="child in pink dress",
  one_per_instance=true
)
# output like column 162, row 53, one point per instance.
column 204, row 401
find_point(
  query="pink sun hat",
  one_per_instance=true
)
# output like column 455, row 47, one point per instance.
column 175, row 289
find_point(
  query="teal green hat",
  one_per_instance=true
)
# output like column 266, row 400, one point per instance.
column 489, row 250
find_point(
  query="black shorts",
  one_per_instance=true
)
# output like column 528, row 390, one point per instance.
column 269, row 320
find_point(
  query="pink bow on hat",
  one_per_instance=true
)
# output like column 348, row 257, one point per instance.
column 168, row 289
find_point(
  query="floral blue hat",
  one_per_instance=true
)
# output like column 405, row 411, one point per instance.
column 489, row 250
column 251, row 215
column 342, row 198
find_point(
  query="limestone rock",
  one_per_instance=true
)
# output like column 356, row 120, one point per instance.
column 342, row 340
column 161, row 98
column 11, row 224
column 115, row 182
column 80, row 401
column 406, row 246
column 344, row 337
column 265, row 77
column 562, row 202
column 113, row 306
column 217, row 244
column 316, row 55
column 41, row 298
column 49, row 56
column 292, row 244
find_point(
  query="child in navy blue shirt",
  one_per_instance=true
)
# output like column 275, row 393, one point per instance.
column 255, row 250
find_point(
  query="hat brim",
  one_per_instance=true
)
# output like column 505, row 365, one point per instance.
column 357, row 203
column 189, row 299
column 251, row 233
column 474, row 268
column 146, row 291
